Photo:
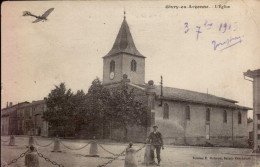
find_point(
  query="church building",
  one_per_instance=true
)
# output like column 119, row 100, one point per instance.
column 184, row 117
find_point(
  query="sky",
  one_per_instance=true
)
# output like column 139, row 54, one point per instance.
column 177, row 43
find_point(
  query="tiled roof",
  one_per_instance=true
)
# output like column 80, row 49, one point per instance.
column 15, row 105
column 33, row 103
column 12, row 109
column 170, row 93
column 124, row 42
column 24, row 104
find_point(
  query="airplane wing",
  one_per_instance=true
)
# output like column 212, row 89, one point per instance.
column 47, row 12
column 37, row 20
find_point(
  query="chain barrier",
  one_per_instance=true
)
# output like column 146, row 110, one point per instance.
column 113, row 159
column 118, row 155
column 140, row 148
column 48, row 160
column 16, row 159
column 107, row 150
column 60, row 165
column 43, row 145
column 74, row 148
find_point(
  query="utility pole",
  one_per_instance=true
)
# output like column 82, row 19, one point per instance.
column 255, row 75
column 232, row 128
column 161, row 83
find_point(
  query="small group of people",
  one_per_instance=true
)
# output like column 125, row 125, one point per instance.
column 156, row 141
column 156, row 144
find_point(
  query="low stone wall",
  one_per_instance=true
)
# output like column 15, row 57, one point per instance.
column 238, row 141
column 174, row 140
column 134, row 134
column 198, row 140
column 223, row 141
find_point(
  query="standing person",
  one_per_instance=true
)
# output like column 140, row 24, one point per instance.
column 155, row 138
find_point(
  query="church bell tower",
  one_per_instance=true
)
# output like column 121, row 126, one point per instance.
column 124, row 59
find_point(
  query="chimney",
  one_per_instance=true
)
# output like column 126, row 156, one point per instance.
column 7, row 105
column 161, row 91
column 11, row 104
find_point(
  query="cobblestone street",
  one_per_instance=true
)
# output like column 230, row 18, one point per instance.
column 171, row 155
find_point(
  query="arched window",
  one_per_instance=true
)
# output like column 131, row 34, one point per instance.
column 239, row 118
column 165, row 111
column 187, row 111
column 112, row 66
column 133, row 65
column 208, row 114
column 225, row 116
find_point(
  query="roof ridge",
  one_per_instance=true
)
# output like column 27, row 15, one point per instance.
column 200, row 97
column 199, row 92
column 187, row 90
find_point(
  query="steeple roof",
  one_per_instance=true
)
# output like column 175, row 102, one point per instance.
column 124, row 42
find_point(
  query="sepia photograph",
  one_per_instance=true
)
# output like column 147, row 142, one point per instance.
column 130, row 83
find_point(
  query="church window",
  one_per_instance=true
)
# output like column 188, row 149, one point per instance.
column 112, row 66
column 225, row 116
column 133, row 65
column 187, row 110
column 258, row 116
column 239, row 118
column 166, row 111
column 208, row 114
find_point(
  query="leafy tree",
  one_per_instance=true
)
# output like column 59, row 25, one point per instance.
column 126, row 109
column 79, row 105
column 120, row 106
column 97, row 101
column 60, row 110
column 66, row 112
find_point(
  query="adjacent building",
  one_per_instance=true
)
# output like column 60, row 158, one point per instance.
column 9, row 119
column 30, row 119
column 24, row 119
column 255, row 75
column 184, row 117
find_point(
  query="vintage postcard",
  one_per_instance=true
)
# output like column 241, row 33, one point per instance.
column 130, row 83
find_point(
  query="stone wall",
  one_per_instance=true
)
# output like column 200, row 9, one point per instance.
column 123, row 66
column 136, row 77
column 4, row 125
column 180, row 131
column 118, row 69
column 134, row 134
